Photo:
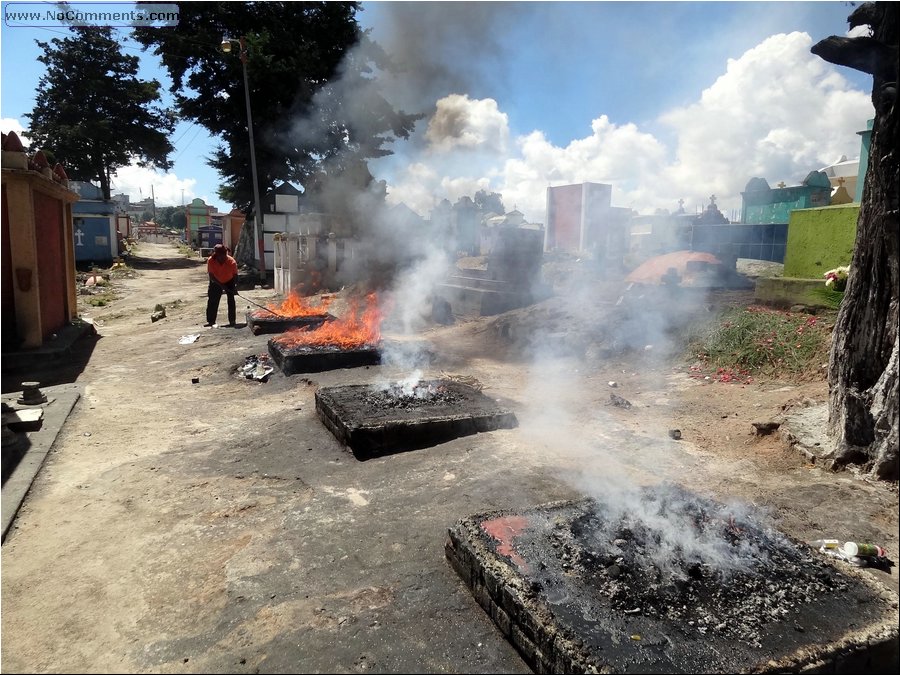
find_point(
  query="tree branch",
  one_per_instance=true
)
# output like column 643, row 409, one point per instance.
column 865, row 54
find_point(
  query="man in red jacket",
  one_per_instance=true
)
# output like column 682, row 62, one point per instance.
column 223, row 271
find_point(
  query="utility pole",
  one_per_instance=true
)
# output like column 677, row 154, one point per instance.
column 257, row 206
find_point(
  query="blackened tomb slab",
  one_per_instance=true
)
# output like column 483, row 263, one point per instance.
column 373, row 420
column 576, row 591
column 262, row 323
column 315, row 359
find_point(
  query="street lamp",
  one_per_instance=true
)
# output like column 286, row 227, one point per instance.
column 257, row 205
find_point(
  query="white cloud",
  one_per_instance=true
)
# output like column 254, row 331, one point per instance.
column 8, row 124
column 140, row 183
column 135, row 181
column 777, row 112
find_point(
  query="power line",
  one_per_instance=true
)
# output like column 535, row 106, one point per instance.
column 194, row 138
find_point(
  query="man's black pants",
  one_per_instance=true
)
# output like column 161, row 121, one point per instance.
column 214, row 295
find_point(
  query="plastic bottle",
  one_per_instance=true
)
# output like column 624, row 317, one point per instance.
column 852, row 548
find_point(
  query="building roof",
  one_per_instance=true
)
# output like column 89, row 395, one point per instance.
column 842, row 168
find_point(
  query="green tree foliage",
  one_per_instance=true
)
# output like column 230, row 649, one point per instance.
column 171, row 217
column 179, row 220
column 489, row 202
column 164, row 215
column 316, row 104
column 93, row 113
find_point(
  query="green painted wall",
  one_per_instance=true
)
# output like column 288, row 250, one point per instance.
column 819, row 240
column 198, row 216
column 763, row 204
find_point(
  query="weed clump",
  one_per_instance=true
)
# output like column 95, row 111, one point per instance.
column 761, row 341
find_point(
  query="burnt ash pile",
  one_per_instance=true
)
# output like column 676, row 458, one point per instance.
column 672, row 583
column 417, row 396
column 374, row 421
column 735, row 577
column 262, row 322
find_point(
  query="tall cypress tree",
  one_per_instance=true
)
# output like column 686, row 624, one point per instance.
column 93, row 113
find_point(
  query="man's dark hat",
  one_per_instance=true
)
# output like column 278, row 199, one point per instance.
column 219, row 247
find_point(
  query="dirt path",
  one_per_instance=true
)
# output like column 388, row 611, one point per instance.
column 219, row 527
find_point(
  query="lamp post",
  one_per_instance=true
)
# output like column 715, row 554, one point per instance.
column 257, row 205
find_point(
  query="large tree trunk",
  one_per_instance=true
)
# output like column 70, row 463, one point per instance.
column 244, row 250
column 863, row 372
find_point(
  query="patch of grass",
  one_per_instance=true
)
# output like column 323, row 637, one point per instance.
column 830, row 298
column 761, row 341
column 101, row 299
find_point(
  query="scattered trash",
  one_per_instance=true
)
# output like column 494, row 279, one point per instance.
column 619, row 402
column 195, row 380
column 675, row 433
column 858, row 555
column 188, row 339
column 159, row 312
column 256, row 367
column 612, row 384
column 820, row 544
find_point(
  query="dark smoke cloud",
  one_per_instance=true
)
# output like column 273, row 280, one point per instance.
column 441, row 48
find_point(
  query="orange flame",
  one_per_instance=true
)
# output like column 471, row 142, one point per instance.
column 353, row 330
column 294, row 306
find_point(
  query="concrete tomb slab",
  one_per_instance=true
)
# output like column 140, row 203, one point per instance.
column 262, row 322
column 315, row 359
column 669, row 582
column 378, row 420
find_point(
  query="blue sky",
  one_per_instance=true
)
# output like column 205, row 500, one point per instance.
column 663, row 100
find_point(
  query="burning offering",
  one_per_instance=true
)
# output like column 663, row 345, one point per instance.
column 295, row 312
column 347, row 342
column 378, row 420
column 667, row 581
